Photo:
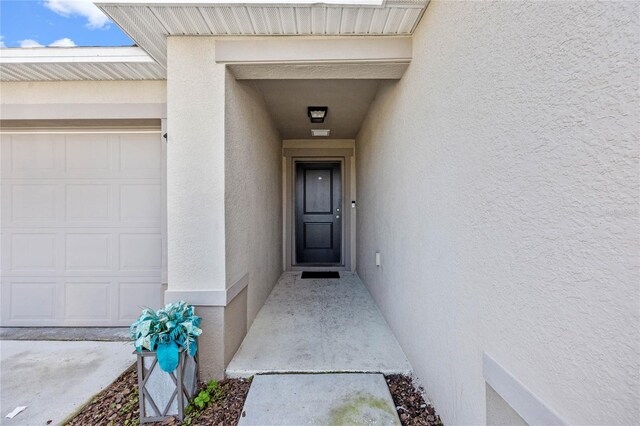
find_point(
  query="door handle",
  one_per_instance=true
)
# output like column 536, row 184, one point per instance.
column 337, row 216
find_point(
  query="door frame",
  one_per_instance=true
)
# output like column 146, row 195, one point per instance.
column 345, row 158
column 340, row 164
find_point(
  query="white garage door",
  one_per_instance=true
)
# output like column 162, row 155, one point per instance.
column 82, row 220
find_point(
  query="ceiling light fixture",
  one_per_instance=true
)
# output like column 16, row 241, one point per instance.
column 320, row 132
column 317, row 114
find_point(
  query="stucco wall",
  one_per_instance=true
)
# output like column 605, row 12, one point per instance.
column 253, row 193
column 499, row 181
column 195, row 165
column 63, row 92
column 195, row 188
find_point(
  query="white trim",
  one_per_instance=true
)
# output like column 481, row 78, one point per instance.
column 208, row 297
column 75, row 111
column 310, row 51
column 66, row 55
column 261, row 18
column 320, row 71
column 237, row 3
column 197, row 297
column 75, row 132
column 528, row 406
column 237, row 287
column 164, row 218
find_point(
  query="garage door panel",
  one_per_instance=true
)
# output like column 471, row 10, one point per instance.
column 88, row 301
column 81, row 301
column 89, row 155
column 33, row 300
column 34, row 155
column 33, row 251
column 5, row 156
column 29, row 203
column 81, row 226
column 33, row 202
column 88, row 252
column 133, row 296
column 141, row 203
column 140, row 156
column 141, row 252
column 88, row 202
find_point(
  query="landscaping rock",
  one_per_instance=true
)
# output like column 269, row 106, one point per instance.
column 411, row 406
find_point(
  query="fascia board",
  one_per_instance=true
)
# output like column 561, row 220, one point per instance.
column 74, row 55
column 314, row 51
column 376, row 3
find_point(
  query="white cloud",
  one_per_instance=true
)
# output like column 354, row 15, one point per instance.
column 63, row 42
column 29, row 43
column 95, row 18
column 2, row 42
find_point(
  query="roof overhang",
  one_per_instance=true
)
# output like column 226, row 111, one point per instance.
column 149, row 22
column 78, row 63
column 310, row 58
column 239, row 2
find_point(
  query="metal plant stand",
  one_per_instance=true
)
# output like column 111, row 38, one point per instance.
column 161, row 394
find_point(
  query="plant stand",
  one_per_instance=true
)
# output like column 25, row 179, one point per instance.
column 161, row 394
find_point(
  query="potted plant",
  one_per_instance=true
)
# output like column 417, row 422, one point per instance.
column 166, row 345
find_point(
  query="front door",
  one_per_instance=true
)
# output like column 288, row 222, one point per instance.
column 318, row 213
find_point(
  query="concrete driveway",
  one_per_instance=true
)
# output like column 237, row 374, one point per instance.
column 54, row 379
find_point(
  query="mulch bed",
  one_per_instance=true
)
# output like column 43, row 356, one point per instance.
column 118, row 405
column 411, row 406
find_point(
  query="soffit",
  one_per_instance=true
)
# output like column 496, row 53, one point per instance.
column 78, row 63
column 150, row 22
column 348, row 101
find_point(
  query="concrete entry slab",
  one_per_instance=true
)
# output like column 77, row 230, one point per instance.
column 319, row 399
column 54, row 379
column 319, row 326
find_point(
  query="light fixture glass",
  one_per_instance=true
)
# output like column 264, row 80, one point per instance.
column 317, row 114
column 320, row 132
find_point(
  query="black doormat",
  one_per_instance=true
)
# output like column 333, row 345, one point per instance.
column 319, row 274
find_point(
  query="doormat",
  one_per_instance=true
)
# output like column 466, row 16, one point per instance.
column 319, row 274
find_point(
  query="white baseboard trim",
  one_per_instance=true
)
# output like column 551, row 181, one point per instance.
column 208, row 297
column 531, row 408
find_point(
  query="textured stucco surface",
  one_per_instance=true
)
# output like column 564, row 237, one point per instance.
column 211, row 343
column 499, row 180
column 195, row 187
column 56, row 92
column 253, row 193
column 499, row 412
column 224, row 193
column 195, row 165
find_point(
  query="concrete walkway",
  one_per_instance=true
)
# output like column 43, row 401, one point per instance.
column 54, row 379
column 319, row 326
column 98, row 334
column 319, row 399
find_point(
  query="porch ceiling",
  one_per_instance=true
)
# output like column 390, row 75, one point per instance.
column 348, row 102
column 150, row 22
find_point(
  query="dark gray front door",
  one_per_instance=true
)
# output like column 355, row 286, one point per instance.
column 318, row 213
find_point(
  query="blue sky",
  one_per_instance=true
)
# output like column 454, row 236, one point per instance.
column 29, row 23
